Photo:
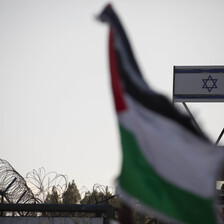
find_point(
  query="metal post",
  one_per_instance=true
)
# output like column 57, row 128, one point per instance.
column 109, row 214
column 21, row 197
column 220, row 136
column 192, row 118
column 3, row 193
column 9, row 186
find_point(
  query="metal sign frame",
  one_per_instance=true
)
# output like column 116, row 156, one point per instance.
column 198, row 84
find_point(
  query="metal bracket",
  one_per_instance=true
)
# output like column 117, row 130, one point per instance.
column 192, row 118
column 220, row 136
column 197, row 125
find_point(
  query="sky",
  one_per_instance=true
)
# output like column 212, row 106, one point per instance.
column 56, row 107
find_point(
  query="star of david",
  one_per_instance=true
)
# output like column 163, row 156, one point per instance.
column 209, row 83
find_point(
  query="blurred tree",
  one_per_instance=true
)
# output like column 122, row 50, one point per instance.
column 71, row 195
column 86, row 199
column 53, row 197
column 101, row 195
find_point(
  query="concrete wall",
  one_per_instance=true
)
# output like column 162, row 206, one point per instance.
column 49, row 220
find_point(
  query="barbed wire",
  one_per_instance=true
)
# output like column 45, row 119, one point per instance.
column 103, row 188
column 42, row 183
column 39, row 183
column 99, row 194
column 13, row 187
column 84, row 191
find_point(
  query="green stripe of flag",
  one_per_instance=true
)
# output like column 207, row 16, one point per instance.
column 140, row 180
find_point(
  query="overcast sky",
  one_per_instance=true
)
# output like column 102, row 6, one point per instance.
column 56, row 109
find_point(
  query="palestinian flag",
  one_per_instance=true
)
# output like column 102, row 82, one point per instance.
column 168, row 165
